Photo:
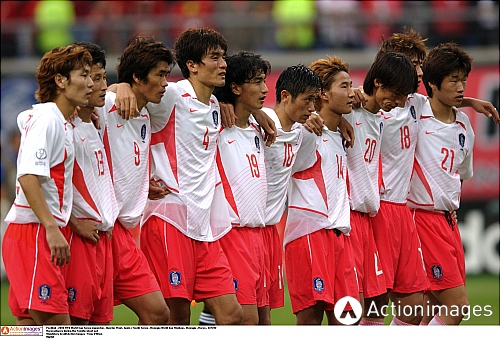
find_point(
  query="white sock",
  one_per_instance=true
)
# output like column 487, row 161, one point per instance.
column 435, row 321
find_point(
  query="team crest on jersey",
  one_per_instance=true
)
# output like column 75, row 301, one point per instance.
column 41, row 154
column 257, row 143
column 143, row 132
column 44, row 292
column 175, row 278
column 235, row 282
column 319, row 284
column 215, row 117
column 412, row 112
column 437, row 271
column 71, row 294
column 461, row 140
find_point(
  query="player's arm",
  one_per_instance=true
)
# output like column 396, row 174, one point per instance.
column 85, row 228
column 227, row 116
column 347, row 132
column 314, row 124
column 59, row 247
column 481, row 106
column 267, row 124
column 126, row 101
column 156, row 192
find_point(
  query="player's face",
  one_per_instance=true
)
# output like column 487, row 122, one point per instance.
column 154, row 89
column 253, row 93
column 340, row 95
column 78, row 88
column 212, row 69
column 388, row 99
column 300, row 108
column 98, row 75
column 452, row 89
column 418, row 67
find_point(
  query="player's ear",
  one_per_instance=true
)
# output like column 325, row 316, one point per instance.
column 60, row 80
column 235, row 89
column 285, row 96
column 191, row 66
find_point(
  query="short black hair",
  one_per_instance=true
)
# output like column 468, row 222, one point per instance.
column 442, row 61
column 98, row 54
column 395, row 71
column 296, row 80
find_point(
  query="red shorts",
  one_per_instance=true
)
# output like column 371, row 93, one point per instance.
column 273, row 261
column 35, row 282
column 132, row 276
column 442, row 249
column 399, row 249
column 185, row 268
column 244, row 248
column 319, row 267
column 89, row 279
column 370, row 274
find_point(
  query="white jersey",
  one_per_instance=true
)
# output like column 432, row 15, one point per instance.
column 127, row 147
column 443, row 157
column 363, row 161
column 397, row 151
column 183, row 147
column 94, row 195
column 46, row 151
column 240, row 161
column 318, row 193
column 280, row 157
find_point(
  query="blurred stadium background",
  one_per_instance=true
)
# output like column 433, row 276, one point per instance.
column 285, row 32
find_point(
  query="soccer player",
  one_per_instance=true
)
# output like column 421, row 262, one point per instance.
column 180, row 232
column 144, row 66
column 35, row 247
column 89, row 279
column 296, row 87
column 241, row 165
column 388, row 82
column 319, row 267
column 394, row 230
column 443, row 159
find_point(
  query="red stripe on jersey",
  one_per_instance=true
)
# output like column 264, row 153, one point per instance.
column 421, row 176
column 316, row 174
column 309, row 210
column 422, row 117
column 105, row 140
column 380, row 177
column 57, row 174
column 228, row 193
column 461, row 124
column 81, row 187
column 112, row 109
column 347, row 183
column 167, row 137
column 416, row 203
column 185, row 95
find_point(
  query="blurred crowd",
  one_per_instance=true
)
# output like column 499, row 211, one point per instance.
column 33, row 27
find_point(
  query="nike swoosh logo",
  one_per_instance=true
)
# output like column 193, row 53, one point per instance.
column 358, row 123
column 192, row 110
column 279, row 135
column 144, row 115
column 230, row 141
column 427, row 132
column 325, row 140
column 387, row 117
column 119, row 126
column 83, row 139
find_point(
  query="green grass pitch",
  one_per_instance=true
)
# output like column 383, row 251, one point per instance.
column 483, row 290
